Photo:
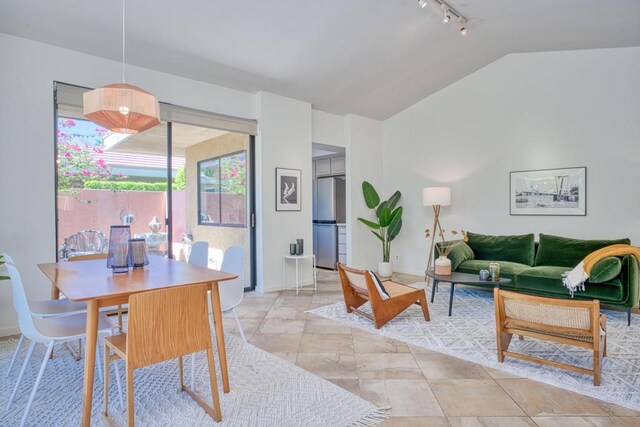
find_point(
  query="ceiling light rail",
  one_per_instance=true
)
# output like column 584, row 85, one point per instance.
column 448, row 13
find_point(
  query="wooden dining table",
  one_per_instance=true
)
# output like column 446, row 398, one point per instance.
column 94, row 283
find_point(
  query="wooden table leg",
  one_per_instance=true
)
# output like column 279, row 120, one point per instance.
column 89, row 361
column 222, row 352
column 55, row 292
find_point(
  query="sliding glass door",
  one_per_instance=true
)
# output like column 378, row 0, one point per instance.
column 175, row 184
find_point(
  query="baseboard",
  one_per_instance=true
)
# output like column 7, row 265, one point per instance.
column 9, row 330
column 408, row 271
column 278, row 286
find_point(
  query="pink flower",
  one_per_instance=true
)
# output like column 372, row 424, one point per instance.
column 68, row 174
column 225, row 176
column 67, row 123
column 97, row 150
column 101, row 163
column 76, row 147
column 85, row 173
column 105, row 175
column 234, row 172
column 67, row 155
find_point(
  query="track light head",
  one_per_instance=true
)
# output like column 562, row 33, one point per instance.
column 422, row 3
column 463, row 31
column 446, row 18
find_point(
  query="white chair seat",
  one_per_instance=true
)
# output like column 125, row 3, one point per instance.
column 56, row 307
column 70, row 327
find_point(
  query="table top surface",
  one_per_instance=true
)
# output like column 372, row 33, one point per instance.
column 90, row 280
column 465, row 278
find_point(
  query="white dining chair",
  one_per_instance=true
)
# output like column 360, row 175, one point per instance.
column 199, row 255
column 48, row 331
column 45, row 308
column 231, row 294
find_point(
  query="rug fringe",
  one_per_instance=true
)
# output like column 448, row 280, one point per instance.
column 374, row 418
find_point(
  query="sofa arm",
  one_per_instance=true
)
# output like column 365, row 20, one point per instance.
column 460, row 252
column 630, row 276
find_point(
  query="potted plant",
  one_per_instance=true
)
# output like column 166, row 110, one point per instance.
column 443, row 263
column 2, row 261
column 388, row 225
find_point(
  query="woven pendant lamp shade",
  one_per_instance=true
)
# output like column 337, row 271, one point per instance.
column 122, row 108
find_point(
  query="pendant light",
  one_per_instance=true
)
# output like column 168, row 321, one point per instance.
column 121, row 107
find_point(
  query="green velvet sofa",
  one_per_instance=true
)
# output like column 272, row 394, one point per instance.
column 536, row 268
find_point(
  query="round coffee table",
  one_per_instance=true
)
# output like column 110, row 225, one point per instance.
column 461, row 279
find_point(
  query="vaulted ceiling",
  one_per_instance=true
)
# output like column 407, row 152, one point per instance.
column 368, row 57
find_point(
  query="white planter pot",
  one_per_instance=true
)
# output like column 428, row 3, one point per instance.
column 385, row 269
column 443, row 266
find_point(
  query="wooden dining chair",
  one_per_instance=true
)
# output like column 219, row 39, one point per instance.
column 157, row 324
column 358, row 287
column 108, row 310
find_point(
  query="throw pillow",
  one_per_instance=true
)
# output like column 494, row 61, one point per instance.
column 566, row 252
column 379, row 286
column 519, row 248
column 606, row 269
column 459, row 253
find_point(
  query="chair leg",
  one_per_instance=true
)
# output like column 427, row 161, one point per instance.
column 246, row 344
column 120, row 318
column 119, row 384
column 37, row 384
column 130, row 413
column 32, row 345
column 193, row 371
column 99, row 362
column 106, row 381
column 15, row 354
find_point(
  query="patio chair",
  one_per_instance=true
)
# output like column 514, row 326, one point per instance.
column 571, row 322
column 388, row 299
column 87, row 242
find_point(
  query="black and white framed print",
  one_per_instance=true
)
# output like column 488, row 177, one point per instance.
column 549, row 192
column 288, row 196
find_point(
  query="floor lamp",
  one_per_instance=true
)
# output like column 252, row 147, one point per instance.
column 435, row 197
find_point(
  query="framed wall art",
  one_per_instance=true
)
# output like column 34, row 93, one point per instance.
column 549, row 192
column 288, row 184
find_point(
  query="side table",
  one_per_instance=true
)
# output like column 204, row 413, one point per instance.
column 297, row 259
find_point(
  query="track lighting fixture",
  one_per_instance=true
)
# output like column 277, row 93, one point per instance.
column 448, row 13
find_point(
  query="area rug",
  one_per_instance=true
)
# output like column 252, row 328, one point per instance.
column 470, row 335
column 277, row 394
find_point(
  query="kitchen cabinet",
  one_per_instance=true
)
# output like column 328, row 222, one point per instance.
column 323, row 167
column 338, row 166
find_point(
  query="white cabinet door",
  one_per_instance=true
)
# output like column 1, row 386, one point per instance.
column 338, row 166
column 323, row 167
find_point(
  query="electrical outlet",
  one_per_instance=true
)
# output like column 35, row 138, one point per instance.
column 397, row 257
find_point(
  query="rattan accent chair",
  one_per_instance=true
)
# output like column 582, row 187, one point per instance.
column 571, row 322
column 358, row 288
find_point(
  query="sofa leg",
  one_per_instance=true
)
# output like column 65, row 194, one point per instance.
column 628, row 316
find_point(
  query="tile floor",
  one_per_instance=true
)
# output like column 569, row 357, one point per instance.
column 423, row 388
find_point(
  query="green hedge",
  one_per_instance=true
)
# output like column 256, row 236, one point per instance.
column 125, row 186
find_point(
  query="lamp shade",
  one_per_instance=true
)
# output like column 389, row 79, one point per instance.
column 122, row 108
column 436, row 196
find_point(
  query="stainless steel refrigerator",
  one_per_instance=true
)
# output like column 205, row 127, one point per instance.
column 329, row 210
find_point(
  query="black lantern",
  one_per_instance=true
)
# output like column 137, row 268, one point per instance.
column 118, row 257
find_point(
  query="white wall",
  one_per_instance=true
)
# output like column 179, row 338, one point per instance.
column 284, row 141
column 328, row 128
column 525, row 111
column 364, row 163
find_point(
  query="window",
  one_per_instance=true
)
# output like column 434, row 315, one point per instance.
column 222, row 190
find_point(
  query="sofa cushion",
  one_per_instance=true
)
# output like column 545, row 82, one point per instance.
column 547, row 280
column 606, row 269
column 507, row 269
column 563, row 251
column 459, row 253
column 519, row 249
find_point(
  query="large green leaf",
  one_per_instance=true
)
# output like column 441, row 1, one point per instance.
column 384, row 215
column 369, row 223
column 394, row 227
column 378, row 236
column 393, row 200
column 370, row 194
column 396, row 212
column 4, row 277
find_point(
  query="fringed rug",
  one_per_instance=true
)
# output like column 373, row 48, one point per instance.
column 470, row 335
column 277, row 394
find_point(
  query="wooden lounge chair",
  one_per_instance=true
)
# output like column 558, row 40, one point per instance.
column 358, row 288
column 577, row 323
